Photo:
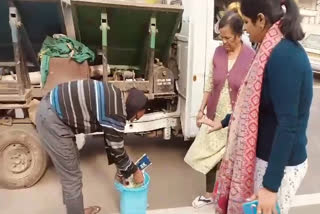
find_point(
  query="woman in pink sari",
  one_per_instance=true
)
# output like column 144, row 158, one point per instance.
column 266, row 156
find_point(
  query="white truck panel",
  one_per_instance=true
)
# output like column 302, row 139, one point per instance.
column 195, row 50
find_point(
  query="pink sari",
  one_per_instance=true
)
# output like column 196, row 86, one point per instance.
column 236, row 175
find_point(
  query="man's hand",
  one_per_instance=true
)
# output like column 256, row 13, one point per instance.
column 267, row 201
column 138, row 177
column 199, row 117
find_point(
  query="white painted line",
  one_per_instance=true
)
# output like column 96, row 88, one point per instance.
column 184, row 210
column 306, row 200
column 299, row 201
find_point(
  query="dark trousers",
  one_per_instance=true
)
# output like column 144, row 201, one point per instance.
column 211, row 178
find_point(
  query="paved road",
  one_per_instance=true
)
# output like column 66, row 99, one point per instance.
column 173, row 183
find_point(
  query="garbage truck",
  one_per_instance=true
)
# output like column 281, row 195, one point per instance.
column 163, row 48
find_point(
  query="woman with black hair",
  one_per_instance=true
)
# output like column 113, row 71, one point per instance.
column 266, row 156
column 228, row 69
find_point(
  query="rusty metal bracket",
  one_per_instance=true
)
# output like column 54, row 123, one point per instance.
column 6, row 121
column 21, row 70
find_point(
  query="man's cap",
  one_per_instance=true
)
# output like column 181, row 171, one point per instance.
column 135, row 102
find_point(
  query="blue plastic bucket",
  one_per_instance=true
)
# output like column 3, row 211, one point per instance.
column 134, row 200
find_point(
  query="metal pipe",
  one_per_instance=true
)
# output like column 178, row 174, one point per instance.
column 179, row 92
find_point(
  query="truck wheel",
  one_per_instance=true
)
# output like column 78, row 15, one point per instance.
column 22, row 159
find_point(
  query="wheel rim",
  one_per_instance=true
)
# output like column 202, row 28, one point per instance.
column 17, row 158
column 22, row 160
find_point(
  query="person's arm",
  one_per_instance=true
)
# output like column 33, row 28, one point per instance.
column 225, row 121
column 215, row 125
column 284, row 90
column 114, row 145
column 204, row 102
column 201, row 113
column 207, row 90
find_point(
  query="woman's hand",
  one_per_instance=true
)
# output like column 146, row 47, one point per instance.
column 215, row 125
column 205, row 120
column 199, row 117
column 267, row 201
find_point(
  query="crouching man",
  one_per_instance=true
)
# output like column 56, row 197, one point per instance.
column 87, row 106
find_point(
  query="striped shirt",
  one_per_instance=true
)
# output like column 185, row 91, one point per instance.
column 88, row 106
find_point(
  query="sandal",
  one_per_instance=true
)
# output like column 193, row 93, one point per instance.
column 92, row 210
column 201, row 201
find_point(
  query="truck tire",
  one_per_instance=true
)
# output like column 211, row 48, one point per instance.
column 22, row 159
